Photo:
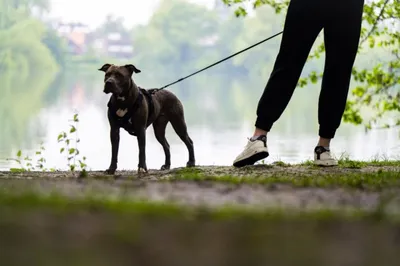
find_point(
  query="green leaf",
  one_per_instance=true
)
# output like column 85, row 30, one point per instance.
column 358, row 91
column 82, row 164
column 240, row 12
column 71, row 150
column 62, row 150
column 17, row 170
column 72, row 130
column 19, row 153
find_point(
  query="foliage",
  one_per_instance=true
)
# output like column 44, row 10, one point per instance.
column 378, row 87
column 56, row 45
column 21, row 35
column 166, row 45
column 28, row 163
column 24, row 57
column 74, row 161
column 69, row 147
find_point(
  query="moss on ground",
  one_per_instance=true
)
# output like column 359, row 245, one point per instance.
column 368, row 180
column 372, row 175
column 346, row 162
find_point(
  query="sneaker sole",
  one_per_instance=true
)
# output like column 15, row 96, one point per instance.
column 252, row 159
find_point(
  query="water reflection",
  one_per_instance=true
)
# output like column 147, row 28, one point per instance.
column 219, row 113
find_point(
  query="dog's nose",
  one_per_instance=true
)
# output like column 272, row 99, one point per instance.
column 108, row 86
column 109, row 83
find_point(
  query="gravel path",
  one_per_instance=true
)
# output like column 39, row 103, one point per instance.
column 214, row 194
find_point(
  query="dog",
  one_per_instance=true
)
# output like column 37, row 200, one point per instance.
column 135, row 109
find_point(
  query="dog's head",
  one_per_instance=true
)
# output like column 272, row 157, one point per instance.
column 117, row 79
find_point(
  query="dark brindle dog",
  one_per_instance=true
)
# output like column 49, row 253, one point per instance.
column 135, row 109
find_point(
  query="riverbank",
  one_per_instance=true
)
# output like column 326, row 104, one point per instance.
column 208, row 215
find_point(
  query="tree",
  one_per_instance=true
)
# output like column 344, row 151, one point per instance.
column 110, row 25
column 378, row 87
column 21, row 40
column 171, row 44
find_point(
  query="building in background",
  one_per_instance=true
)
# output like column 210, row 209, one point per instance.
column 75, row 35
column 114, row 44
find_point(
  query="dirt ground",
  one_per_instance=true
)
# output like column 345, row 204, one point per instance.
column 213, row 194
column 265, row 170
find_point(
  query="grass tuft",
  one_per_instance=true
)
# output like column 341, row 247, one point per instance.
column 374, row 181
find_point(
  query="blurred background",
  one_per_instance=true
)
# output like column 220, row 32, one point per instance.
column 50, row 51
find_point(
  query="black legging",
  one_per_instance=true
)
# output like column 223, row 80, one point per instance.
column 341, row 21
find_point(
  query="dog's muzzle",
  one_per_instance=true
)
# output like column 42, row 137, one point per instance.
column 109, row 87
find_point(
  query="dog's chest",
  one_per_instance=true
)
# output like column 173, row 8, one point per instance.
column 121, row 113
column 127, row 124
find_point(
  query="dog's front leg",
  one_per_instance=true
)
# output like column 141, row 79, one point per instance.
column 114, row 137
column 141, row 138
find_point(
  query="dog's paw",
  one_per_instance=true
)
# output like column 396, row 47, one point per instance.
column 190, row 164
column 110, row 171
column 165, row 167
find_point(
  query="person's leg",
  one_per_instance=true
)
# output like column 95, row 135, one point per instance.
column 302, row 25
column 342, row 34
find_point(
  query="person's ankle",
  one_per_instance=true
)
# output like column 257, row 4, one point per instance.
column 259, row 132
column 255, row 137
column 323, row 142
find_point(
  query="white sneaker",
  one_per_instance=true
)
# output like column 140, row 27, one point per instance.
column 323, row 157
column 254, row 151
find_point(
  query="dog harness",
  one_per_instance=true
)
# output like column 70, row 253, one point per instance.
column 149, row 99
column 126, row 119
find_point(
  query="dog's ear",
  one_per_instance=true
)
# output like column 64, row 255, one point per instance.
column 132, row 69
column 105, row 67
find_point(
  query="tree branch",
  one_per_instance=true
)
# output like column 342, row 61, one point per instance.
column 376, row 23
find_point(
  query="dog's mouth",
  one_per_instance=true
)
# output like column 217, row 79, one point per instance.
column 110, row 87
column 106, row 91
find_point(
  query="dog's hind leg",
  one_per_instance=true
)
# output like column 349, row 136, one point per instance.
column 179, row 125
column 159, row 127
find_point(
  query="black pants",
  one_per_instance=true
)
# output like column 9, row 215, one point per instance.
column 341, row 21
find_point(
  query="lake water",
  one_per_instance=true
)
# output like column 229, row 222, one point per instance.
column 219, row 113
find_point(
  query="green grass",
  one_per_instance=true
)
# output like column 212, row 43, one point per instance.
column 372, row 175
column 368, row 180
column 345, row 162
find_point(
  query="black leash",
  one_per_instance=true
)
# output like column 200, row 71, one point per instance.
column 220, row 61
